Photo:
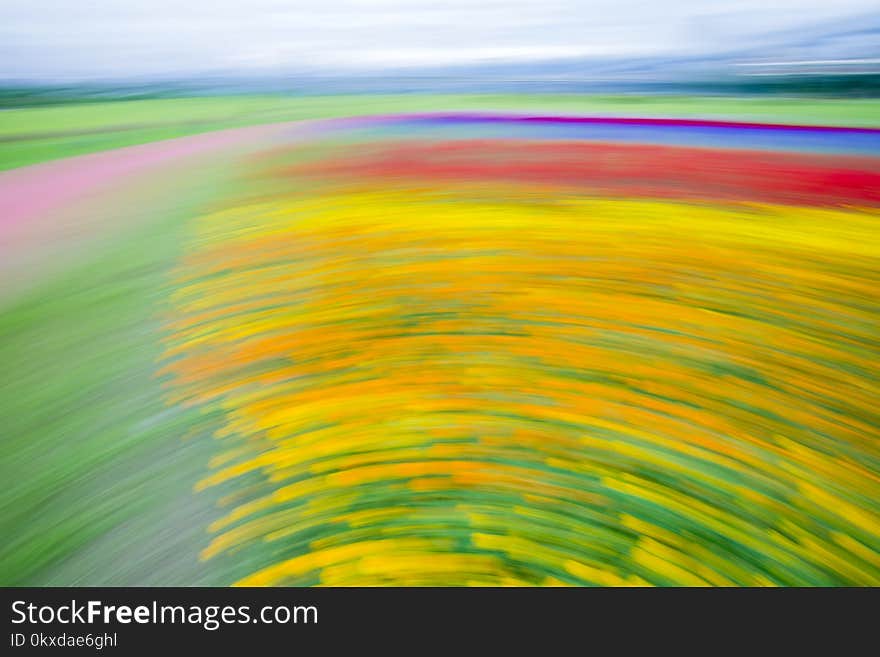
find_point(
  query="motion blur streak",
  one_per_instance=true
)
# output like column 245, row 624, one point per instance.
column 442, row 351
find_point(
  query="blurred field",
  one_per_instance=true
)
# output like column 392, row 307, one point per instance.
column 440, row 351
column 34, row 134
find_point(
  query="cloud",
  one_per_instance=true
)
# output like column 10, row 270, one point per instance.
column 114, row 37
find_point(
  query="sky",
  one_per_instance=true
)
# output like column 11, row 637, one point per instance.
column 93, row 39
